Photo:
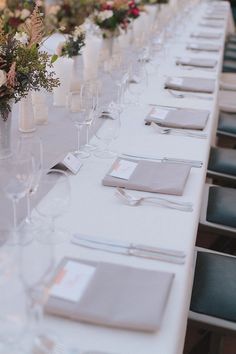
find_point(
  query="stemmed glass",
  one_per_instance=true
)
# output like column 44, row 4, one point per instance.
column 108, row 131
column 81, row 104
column 13, row 303
column 138, row 80
column 90, row 89
column 36, row 266
column 56, row 184
column 17, row 174
column 31, row 145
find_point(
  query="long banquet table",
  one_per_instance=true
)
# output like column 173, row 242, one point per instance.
column 95, row 210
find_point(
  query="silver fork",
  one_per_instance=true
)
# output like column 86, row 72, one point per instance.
column 134, row 201
column 165, row 130
column 189, row 94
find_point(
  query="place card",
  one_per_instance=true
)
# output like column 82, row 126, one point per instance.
column 123, row 169
column 72, row 280
column 72, row 162
column 193, row 46
column 176, row 81
column 185, row 60
column 159, row 113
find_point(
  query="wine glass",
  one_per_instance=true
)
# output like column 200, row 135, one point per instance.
column 108, row 131
column 31, row 145
column 36, row 266
column 16, row 179
column 91, row 90
column 81, row 104
column 13, row 303
column 56, row 184
column 138, row 80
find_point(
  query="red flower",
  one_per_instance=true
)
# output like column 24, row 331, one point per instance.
column 14, row 22
column 135, row 12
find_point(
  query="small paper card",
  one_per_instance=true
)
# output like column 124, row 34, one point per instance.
column 72, row 280
column 176, row 81
column 123, row 169
column 72, row 162
column 159, row 113
column 185, row 60
column 193, row 46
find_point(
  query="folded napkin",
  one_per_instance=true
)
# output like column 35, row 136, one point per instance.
column 207, row 35
column 192, row 84
column 117, row 296
column 178, row 117
column 198, row 62
column 212, row 24
column 149, row 176
column 208, row 47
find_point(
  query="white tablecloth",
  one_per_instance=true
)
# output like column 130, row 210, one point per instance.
column 96, row 211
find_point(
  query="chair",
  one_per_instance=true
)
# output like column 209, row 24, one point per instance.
column 229, row 66
column 228, row 81
column 218, row 211
column 213, row 295
column 227, row 101
column 222, row 165
column 229, row 54
column 226, row 130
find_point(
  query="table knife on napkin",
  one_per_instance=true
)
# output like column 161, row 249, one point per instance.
column 130, row 249
column 193, row 163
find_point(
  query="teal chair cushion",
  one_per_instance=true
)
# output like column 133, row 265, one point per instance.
column 230, row 55
column 214, row 288
column 229, row 66
column 227, row 123
column 222, row 160
column 221, row 208
column 230, row 46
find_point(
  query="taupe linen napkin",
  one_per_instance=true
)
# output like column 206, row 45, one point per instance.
column 198, row 62
column 119, row 296
column 180, row 118
column 206, row 35
column 152, row 176
column 206, row 47
column 192, row 84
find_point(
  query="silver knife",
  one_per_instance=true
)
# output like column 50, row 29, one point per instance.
column 193, row 163
column 130, row 246
column 128, row 251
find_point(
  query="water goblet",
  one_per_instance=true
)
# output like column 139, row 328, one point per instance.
column 56, row 184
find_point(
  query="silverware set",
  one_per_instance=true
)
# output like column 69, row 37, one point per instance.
column 132, row 200
column 176, row 131
column 192, row 163
column 130, row 249
column 188, row 94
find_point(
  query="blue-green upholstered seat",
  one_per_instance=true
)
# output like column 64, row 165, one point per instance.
column 229, row 66
column 230, row 46
column 221, row 207
column 227, row 123
column 229, row 55
column 214, row 288
column 222, row 160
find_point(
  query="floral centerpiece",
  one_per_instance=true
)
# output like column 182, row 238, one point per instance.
column 67, row 14
column 23, row 66
column 15, row 13
column 154, row 2
column 113, row 16
column 73, row 44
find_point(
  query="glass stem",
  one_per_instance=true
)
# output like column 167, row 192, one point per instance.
column 78, row 137
column 15, row 233
column 87, row 134
column 28, row 207
column 35, row 315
